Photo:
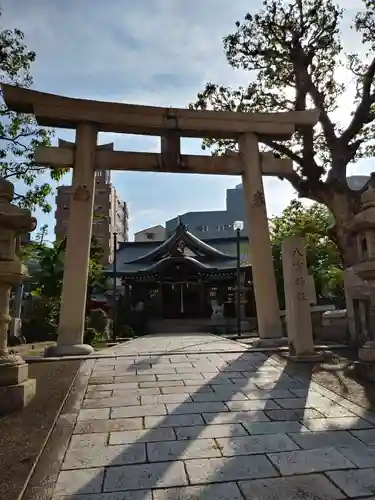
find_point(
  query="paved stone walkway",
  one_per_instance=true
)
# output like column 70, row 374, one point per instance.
column 198, row 417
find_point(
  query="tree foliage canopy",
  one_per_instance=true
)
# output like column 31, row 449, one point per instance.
column 294, row 53
column 19, row 133
column 323, row 257
column 47, row 269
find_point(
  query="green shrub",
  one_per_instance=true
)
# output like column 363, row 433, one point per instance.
column 90, row 336
column 99, row 321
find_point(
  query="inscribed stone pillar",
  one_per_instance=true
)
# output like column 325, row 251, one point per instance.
column 74, row 289
column 267, row 306
column 298, row 312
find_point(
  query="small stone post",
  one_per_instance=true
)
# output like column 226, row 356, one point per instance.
column 298, row 313
column 16, row 390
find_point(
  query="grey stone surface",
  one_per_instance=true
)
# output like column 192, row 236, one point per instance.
column 298, row 414
column 218, row 396
column 255, row 404
column 235, row 417
column 311, row 487
column 102, row 413
column 104, row 456
column 273, row 427
column 332, row 424
column 173, row 420
column 182, row 450
column 124, row 495
column 186, row 390
column 185, row 408
column 164, row 383
column 355, row 483
column 311, row 440
column 98, row 394
column 276, row 393
column 87, row 440
column 79, row 481
column 158, row 417
column 166, row 398
column 307, row 461
column 111, row 425
column 111, row 402
column 210, row 431
column 138, row 411
column 223, row 491
column 367, row 436
column 335, row 411
column 140, row 477
column 361, row 455
column 222, row 469
column 179, row 376
column 249, row 445
column 142, row 436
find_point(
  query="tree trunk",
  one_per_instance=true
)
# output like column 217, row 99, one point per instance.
column 344, row 205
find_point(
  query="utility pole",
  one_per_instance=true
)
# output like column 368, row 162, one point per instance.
column 114, row 304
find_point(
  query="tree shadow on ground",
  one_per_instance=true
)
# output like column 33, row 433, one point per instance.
column 237, row 378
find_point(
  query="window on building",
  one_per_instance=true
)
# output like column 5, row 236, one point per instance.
column 65, row 206
column 202, row 229
column 150, row 236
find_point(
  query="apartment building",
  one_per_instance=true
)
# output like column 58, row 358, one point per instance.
column 154, row 233
column 110, row 214
column 215, row 224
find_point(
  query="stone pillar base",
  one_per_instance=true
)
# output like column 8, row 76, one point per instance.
column 275, row 342
column 366, row 370
column 367, row 352
column 305, row 358
column 58, row 351
column 16, row 397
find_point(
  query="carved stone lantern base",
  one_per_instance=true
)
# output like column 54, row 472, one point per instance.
column 16, row 389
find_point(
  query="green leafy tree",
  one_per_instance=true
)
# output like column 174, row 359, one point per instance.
column 20, row 133
column 323, row 258
column 293, row 51
column 45, row 285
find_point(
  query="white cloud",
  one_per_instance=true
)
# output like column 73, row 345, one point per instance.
column 158, row 52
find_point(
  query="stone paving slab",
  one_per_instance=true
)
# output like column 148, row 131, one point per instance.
column 307, row 461
column 314, row 487
column 188, row 417
column 355, row 483
column 224, row 491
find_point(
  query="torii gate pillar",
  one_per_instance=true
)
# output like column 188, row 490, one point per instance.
column 77, row 254
column 268, row 313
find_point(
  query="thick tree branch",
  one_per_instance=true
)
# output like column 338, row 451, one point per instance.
column 361, row 114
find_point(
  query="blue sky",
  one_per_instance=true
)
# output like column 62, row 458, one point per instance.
column 158, row 52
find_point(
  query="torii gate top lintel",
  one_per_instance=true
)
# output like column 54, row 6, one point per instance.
column 65, row 112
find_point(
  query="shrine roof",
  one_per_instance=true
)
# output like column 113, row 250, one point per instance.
column 150, row 257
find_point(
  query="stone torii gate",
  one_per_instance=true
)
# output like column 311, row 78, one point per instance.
column 89, row 118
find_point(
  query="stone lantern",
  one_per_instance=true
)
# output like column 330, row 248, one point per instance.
column 362, row 227
column 16, row 390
